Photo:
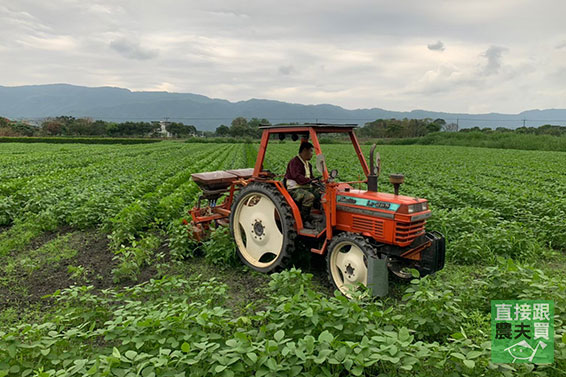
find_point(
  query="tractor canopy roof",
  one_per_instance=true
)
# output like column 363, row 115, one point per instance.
column 306, row 127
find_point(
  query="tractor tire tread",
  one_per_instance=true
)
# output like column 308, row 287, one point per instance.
column 362, row 241
column 284, row 260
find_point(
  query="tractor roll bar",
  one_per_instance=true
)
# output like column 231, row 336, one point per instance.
column 312, row 131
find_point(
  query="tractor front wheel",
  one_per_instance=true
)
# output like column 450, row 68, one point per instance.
column 347, row 262
column 262, row 226
column 400, row 269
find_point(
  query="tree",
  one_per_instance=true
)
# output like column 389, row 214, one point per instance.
column 549, row 129
column 181, row 130
column 79, row 127
column 4, row 122
column 439, row 121
column 254, row 124
column 386, row 128
column 52, row 127
column 377, row 128
column 239, row 127
column 503, row 129
column 436, row 125
column 393, row 129
column 433, row 127
column 98, row 128
column 222, row 130
column 414, row 127
column 22, row 128
column 473, row 129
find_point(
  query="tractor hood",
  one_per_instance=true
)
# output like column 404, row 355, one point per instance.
column 383, row 204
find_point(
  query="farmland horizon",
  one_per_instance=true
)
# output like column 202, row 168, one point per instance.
column 36, row 101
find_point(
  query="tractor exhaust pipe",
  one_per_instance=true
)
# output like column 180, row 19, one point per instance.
column 373, row 171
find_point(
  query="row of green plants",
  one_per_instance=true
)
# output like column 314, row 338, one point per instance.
column 135, row 194
column 183, row 327
column 500, row 140
column 83, row 187
column 502, row 211
column 76, row 140
column 486, row 202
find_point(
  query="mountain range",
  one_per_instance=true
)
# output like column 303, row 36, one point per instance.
column 34, row 102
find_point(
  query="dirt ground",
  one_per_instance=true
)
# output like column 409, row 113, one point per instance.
column 96, row 260
column 28, row 288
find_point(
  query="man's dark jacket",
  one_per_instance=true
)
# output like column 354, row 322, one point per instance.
column 296, row 171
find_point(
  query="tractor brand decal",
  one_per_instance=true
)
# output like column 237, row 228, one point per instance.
column 522, row 331
column 367, row 203
column 368, row 212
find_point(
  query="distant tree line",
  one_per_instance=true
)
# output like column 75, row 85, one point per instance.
column 400, row 128
column 241, row 127
column 410, row 128
column 547, row 129
column 70, row 126
column 10, row 128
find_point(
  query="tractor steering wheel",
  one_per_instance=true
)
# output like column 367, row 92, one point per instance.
column 318, row 183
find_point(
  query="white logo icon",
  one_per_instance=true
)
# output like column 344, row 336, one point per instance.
column 523, row 350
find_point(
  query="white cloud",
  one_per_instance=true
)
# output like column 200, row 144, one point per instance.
column 62, row 43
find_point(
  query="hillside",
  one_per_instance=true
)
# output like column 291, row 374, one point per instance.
column 117, row 104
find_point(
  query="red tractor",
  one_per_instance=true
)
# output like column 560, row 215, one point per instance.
column 365, row 234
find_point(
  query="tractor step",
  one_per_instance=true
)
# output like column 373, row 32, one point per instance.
column 313, row 232
column 317, row 216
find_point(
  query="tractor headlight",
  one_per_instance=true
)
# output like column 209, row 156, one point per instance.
column 418, row 207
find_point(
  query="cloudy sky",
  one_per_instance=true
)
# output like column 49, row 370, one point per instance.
column 458, row 56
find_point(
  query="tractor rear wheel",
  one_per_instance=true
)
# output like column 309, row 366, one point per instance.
column 262, row 225
column 347, row 262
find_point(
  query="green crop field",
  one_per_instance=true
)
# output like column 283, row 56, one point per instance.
column 98, row 276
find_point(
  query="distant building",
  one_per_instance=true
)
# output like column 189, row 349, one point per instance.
column 163, row 131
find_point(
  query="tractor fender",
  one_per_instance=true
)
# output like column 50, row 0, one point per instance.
column 294, row 209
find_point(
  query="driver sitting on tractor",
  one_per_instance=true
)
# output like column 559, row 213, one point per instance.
column 299, row 178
